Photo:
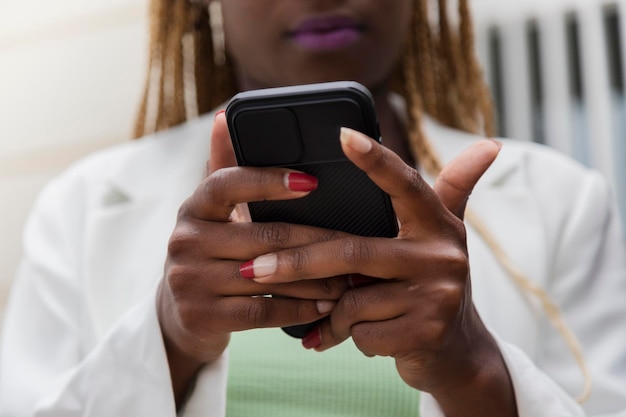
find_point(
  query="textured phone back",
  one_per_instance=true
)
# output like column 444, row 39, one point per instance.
column 346, row 200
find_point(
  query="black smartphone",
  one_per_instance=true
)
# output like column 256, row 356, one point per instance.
column 298, row 127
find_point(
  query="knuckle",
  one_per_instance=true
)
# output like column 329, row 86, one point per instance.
column 177, row 278
column 449, row 260
column 449, row 299
column 451, row 228
column 355, row 250
column 458, row 230
column 185, row 211
column 211, row 185
column 457, row 262
column 350, row 304
column 298, row 259
column 273, row 234
column 216, row 186
column 253, row 313
column 188, row 317
column 414, row 182
column 330, row 235
column 260, row 178
column 182, row 240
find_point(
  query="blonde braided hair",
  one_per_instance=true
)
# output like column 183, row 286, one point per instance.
column 440, row 75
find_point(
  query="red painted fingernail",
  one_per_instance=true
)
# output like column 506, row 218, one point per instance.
column 312, row 339
column 247, row 270
column 296, row 181
column 219, row 112
column 260, row 267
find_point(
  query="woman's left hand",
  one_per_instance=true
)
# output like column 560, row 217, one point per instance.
column 419, row 310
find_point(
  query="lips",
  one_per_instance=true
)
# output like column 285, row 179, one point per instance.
column 327, row 33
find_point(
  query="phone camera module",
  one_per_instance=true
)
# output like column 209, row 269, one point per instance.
column 269, row 137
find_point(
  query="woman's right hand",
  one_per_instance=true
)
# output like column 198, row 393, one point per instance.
column 202, row 297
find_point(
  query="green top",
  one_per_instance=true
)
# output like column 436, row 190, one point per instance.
column 272, row 375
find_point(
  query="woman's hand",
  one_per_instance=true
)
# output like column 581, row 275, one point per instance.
column 420, row 310
column 203, row 298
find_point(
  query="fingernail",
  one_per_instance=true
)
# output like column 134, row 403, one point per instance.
column 219, row 112
column 325, row 306
column 312, row 339
column 355, row 140
column 260, row 267
column 296, row 181
column 496, row 142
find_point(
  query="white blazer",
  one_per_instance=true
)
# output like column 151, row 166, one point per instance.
column 81, row 332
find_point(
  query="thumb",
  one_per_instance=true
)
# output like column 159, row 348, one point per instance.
column 222, row 154
column 458, row 178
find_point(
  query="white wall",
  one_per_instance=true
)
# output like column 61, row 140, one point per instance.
column 70, row 78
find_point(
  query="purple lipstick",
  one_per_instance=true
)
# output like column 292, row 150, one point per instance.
column 327, row 33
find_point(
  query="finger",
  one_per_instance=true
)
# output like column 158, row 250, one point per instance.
column 221, row 278
column 403, row 259
column 230, row 314
column 386, row 338
column 458, row 178
column 242, row 241
column 375, row 303
column 222, row 154
column 413, row 199
column 219, row 193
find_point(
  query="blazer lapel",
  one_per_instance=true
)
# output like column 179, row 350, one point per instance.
column 128, row 230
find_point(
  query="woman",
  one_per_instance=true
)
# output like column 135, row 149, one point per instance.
column 124, row 307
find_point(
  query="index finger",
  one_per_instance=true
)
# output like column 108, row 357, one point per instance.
column 410, row 193
column 411, row 196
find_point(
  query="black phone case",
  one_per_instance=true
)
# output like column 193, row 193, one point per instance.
column 298, row 128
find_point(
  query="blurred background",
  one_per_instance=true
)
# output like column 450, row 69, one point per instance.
column 71, row 73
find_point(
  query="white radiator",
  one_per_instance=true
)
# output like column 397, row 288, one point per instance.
column 557, row 69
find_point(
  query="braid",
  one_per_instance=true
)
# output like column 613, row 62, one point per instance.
column 419, row 76
column 481, row 104
column 172, row 67
column 451, row 70
column 157, row 35
column 181, row 52
column 204, row 66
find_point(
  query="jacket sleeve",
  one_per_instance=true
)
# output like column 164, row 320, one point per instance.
column 588, row 283
column 537, row 395
column 50, row 361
